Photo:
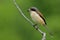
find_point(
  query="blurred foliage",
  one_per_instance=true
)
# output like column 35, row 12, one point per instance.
column 13, row 26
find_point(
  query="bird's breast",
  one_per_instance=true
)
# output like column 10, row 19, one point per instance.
column 36, row 18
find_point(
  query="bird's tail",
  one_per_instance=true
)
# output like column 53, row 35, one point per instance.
column 49, row 31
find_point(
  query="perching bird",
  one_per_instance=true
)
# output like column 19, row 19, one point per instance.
column 38, row 18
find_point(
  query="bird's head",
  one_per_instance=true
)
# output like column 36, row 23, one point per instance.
column 32, row 9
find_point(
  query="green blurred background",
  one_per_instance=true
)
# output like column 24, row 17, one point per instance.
column 13, row 26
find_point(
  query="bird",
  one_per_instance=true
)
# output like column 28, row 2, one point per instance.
column 38, row 18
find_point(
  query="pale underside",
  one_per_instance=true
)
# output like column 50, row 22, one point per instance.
column 36, row 18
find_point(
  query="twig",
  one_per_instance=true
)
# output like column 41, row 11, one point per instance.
column 34, row 25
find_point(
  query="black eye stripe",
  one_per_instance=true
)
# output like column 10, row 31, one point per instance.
column 33, row 9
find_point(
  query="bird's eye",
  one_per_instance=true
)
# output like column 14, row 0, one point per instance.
column 33, row 9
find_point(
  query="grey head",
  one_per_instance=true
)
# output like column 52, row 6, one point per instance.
column 32, row 9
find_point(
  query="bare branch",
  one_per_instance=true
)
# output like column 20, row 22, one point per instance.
column 35, row 26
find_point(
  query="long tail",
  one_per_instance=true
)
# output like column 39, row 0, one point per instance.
column 49, row 31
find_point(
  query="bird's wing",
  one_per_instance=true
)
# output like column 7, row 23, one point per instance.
column 41, row 15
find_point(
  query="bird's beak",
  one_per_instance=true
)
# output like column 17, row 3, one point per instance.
column 28, row 10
